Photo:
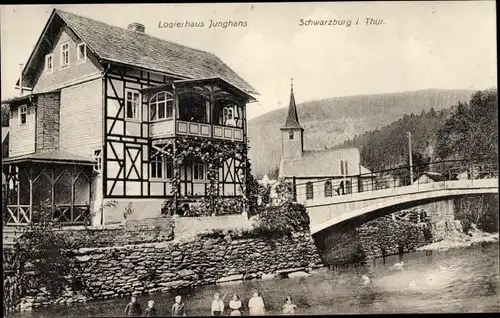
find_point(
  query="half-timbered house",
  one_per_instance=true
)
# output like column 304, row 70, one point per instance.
column 116, row 114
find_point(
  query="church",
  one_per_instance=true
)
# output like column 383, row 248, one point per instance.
column 318, row 173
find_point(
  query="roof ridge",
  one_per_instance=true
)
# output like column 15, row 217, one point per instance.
column 142, row 33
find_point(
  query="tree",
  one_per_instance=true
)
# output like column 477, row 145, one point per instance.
column 420, row 164
column 471, row 132
column 5, row 115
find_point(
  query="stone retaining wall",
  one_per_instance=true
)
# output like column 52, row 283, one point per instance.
column 380, row 237
column 148, row 268
column 188, row 227
column 385, row 236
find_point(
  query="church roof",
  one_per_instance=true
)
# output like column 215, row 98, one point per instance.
column 292, row 119
column 322, row 163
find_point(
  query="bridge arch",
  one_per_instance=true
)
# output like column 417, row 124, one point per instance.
column 379, row 203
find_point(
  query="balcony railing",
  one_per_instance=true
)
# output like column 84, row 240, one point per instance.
column 64, row 213
column 165, row 128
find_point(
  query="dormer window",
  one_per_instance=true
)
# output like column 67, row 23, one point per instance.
column 49, row 63
column 81, row 53
column 65, row 55
column 23, row 112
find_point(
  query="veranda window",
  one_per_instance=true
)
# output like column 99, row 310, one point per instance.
column 161, row 106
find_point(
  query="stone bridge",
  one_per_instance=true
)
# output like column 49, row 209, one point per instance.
column 363, row 206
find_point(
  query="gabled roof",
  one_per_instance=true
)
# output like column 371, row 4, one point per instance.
column 321, row 163
column 55, row 156
column 292, row 119
column 137, row 49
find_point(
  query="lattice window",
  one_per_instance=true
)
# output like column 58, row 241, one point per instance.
column 161, row 106
column 81, row 53
column 199, row 171
column 23, row 113
column 309, row 191
column 328, row 189
column 49, row 63
column 161, row 167
column 133, row 104
column 65, row 55
column 156, row 167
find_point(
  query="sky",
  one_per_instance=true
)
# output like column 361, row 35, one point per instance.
column 419, row 45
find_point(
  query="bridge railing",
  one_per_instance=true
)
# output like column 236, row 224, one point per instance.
column 440, row 171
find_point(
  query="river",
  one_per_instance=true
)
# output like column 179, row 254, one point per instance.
column 453, row 281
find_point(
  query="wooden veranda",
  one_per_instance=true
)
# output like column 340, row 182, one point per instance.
column 60, row 181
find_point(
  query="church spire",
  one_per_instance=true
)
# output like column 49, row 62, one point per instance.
column 292, row 120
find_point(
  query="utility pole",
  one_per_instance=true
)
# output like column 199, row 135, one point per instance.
column 410, row 157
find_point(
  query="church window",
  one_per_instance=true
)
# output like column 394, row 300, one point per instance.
column 309, row 191
column 290, row 134
column 328, row 189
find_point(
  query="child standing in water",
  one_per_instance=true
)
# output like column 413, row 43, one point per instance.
column 235, row 306
column 256, row 304
column 289, row 307
column 217, row 306
column 150, row 310
column 133, row 308
column 178, row 308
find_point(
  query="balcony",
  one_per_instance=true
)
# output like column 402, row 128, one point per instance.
column 165, row 128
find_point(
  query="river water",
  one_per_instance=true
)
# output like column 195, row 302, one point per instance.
column 458, row 280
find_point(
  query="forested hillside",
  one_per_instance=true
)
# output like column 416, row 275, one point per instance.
column 388, row 146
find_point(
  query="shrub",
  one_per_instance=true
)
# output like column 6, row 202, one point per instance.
column 286, row 218
column 42, row 256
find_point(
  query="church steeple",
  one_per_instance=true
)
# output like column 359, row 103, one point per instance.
column 292, row 120
column 292, row 134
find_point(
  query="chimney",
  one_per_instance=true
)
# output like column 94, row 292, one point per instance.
column 136, row 26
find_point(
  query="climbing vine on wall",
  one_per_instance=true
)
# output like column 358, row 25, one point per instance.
column 214, row 153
